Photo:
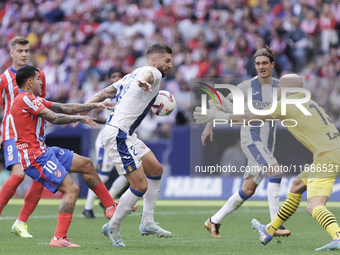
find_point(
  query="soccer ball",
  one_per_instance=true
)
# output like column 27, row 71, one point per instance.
column 164, row 103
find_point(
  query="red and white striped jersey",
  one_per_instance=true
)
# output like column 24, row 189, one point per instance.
column 28, row 128
column 9, row 89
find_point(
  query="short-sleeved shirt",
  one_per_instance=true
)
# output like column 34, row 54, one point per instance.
column 8, row 91
column 133, row 103
column 28, row 129
column 262, row 97
column 315, row 131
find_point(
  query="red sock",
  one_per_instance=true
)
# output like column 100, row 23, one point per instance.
column 104, row 195
column 8, row 189
column 64, row 222
column 32, row 198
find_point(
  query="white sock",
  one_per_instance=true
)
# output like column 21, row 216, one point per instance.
column 233, row 203
column 126, row 203
column 150, row 199
column 118, row 185
column 19, row 222
column 91, row 196
column 273, row 195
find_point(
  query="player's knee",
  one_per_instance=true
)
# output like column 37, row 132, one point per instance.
column 298, row 186
column 74, row 189
column 249, row 191
column 142, row 186
column 310, row 208
column 159, row 170
column 16, row 169
column 88, row 166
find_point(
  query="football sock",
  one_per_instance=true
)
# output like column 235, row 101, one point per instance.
column 126, row 203
column 233, row 203
column 288, row 208
column 150, row 198
column 64, row 222
column 8, row 189
column 90, row 194
column 31, row 200
column 273, row 195
column 327, row 221
column 117, row 186
column 102, row 193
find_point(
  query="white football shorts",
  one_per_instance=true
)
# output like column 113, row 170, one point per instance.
column 259, row 158
column 124, row 150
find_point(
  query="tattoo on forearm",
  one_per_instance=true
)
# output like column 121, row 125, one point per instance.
column 57, row 118
column 66, row 207
column 90, row 183
column 71, row 108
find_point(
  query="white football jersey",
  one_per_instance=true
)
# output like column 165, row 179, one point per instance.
column 133, row 103
column 262, row 98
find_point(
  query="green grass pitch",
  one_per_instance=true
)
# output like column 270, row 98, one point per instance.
column 183, row 218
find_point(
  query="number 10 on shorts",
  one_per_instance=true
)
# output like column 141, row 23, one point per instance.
column 50, row 166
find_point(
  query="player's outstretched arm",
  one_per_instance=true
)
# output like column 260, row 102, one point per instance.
column 79, row 108
column 108, row 92
column 144, row 80
column 59, row 118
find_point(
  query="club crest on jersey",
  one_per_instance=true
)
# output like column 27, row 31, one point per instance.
column 57, row 173
column 10, row 157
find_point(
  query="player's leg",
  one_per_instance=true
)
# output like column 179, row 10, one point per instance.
column 318, row 191
column 288, row 208
column 233, row 203
column 138, row 186
column 68, row 202
column 153, row 171
column 10, row 186
column 85, row 167
column 31, row 201
column 91, row 196
column 260, row 156
column 120, row 149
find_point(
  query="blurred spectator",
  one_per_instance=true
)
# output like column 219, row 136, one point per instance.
column 299, row 47
column 56, row 14
column 189, row 28
column 279, row 45
column 327, row 25
column 110, row 28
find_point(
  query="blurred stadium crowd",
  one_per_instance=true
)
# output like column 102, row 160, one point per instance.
column 76, row 43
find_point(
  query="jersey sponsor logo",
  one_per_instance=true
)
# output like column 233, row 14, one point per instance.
column 260, row 105
column 333, row 136
column 22, row 146
column 143, row 147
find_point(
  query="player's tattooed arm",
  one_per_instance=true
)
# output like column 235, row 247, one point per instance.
column 59, row 118
column 78, row 108
column 108, row 92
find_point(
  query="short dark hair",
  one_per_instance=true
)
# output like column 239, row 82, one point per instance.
column 24, row 73
column 19, row 40
column 158, row 48
column 266, row 52
column 114, row 70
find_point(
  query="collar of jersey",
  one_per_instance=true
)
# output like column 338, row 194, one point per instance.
column 13, row 70
column 22, row 91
